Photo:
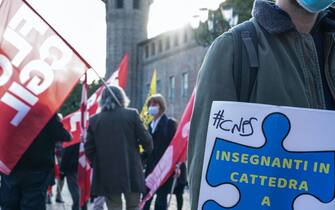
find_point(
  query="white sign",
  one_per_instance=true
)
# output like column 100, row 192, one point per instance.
column 268, row 157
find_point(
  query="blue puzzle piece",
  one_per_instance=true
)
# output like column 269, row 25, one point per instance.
column 270, row 177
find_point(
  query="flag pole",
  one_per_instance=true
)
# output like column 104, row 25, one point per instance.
column 106, row 86
column 70, row 46
column 56, row 32
column 175, row 177
column 84, row 170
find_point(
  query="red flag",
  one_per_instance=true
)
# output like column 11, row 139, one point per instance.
column 72, row 121
column 119, row 77
column 174, row 154
column 38, row 70
column 84, row 169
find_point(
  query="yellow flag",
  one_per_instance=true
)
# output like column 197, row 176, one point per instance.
column 146, row 118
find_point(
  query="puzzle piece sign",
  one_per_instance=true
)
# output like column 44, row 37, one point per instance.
column 268, row 157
